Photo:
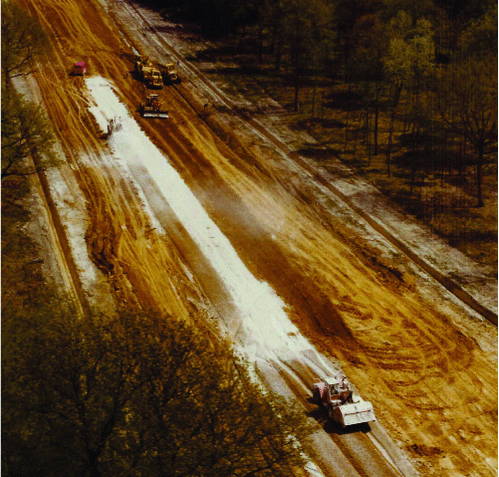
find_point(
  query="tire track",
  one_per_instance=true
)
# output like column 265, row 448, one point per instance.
column 435, row 367
column 325, row 181
column 119, row 237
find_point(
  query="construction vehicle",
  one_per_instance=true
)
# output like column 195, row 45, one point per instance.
column 153, row 108
column 152, row 78
column 342, row 403
column 80, row 68
column 170, row 74
column 148, row 73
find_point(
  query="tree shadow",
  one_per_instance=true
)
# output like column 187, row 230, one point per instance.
column 345, row 100
column 188, row 32
column 319, row 153
column 327, row 123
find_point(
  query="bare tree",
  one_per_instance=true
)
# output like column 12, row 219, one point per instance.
column 409, row 61
column 468, row 108
column 306, row 29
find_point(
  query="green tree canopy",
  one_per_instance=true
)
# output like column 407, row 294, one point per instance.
column 307, row 33
column 479, row 40
column 411, row 50
column 26, row 131
column 135, row 395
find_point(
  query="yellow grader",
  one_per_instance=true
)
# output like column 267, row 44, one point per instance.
column 153, row 108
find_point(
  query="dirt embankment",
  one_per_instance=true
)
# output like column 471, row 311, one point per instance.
column 432, row 386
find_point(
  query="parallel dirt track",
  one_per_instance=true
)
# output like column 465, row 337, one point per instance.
column 433, row 387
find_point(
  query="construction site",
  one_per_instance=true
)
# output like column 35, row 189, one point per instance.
column 169, row 197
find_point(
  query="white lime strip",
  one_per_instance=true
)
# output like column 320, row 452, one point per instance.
column 265, row 327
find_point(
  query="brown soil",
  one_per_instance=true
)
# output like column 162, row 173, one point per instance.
column 432, row 385
column 336, row 120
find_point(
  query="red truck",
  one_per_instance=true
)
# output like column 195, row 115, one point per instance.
column 80, row 68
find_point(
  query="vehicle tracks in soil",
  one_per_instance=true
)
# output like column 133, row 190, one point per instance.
column 322, row 178
column 361, row 323
column 427, row 370
column 424, row 371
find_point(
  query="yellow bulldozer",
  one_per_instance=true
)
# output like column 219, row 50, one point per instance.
column 148, row 73
column 170, row 74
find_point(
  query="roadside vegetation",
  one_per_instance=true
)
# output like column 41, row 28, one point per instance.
column 27, row 148
column 27, row 136
column 136, row 394
column 403, row 92
column 129, row 394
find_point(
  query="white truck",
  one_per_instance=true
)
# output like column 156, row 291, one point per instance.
column 342, row 403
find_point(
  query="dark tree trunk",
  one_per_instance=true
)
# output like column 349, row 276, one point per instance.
column 396, row 99
column 93, row 458
column 479, row 176
column 260, row 44
column 313, row 96
column 376, row 121
column 297, row 88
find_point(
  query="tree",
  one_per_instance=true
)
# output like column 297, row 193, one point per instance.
column 24, row 42
column 135, row 395
column 366, row 64
column 271, row 22
column 410, row 60
column 306, row 28
column 26, row 132
column 323, row 38
column 479, row 40
column 348, row 15
column 468, row 107
column 465, row 8
column 216, row 17
column 415, row 10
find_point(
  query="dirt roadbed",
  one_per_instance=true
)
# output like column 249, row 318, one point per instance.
column 426, row 362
